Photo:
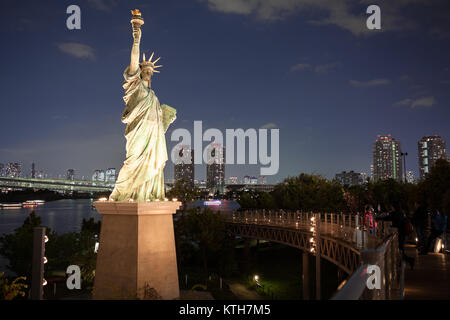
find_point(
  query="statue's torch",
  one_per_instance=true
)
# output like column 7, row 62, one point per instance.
column 137, row 21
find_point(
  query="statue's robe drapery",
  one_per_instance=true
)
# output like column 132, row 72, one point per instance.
column 142, row 177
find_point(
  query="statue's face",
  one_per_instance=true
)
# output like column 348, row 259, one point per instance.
column 146, row 74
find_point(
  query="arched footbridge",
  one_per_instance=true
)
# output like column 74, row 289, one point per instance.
column 339, row 238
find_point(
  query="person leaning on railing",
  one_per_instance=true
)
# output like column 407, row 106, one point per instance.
column 399, row 221
column 369, row 220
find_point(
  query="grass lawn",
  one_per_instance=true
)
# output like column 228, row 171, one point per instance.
column 279, row 271
column 278, row 268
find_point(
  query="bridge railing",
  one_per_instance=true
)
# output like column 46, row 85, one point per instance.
column 346, row 227
column 390, row 278
column 377, row 246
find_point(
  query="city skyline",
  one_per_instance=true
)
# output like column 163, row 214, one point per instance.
column 329, row 87
column 187, row 171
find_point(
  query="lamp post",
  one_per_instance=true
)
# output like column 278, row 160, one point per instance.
column 37, row 279
column 404, row 154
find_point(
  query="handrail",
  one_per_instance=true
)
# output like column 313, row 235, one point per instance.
column 354, row 287
column 377, row 247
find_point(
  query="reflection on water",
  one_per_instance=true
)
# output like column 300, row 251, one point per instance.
column 222, row 206
column 66, row 215
column 61, row 216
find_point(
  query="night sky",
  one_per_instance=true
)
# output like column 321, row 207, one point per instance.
column 308, row 67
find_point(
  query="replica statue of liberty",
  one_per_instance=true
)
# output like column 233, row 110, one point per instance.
column 142, row 177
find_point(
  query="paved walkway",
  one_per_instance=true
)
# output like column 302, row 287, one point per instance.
column 242, row 293
column 430, row 279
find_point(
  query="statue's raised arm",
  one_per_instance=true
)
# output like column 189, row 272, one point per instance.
column 137, row 34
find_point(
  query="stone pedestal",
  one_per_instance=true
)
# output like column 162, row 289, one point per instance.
column 136, row 250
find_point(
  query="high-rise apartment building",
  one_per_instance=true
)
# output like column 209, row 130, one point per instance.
column 13, row 170
column 431, row 148
column 215, row 168
column 99, row 175
column 262, row 180
column 110, row 175
column 387, row 162
column 33, row 171
column 184, row 166
column 233, row 180
column 70, row 175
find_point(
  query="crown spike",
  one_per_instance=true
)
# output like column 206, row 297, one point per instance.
column 156, row 60
column 156, row 71
column 157, row 66
column 143, row 57
column 150, row 59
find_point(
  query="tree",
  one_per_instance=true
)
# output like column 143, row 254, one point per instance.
column 436, row 185
column 10, row 291
column 206, row 230
column 61, row 250
column 183, row 192
column 309, row 193
column 18, row 246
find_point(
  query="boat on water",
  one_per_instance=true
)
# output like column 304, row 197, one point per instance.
column 33, row 202
column 10, row 205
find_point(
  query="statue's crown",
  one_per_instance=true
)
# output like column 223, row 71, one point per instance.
column 136, row 12
column 149, row 63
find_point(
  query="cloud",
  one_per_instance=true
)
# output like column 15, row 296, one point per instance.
column 300, row 67
column 325, row 68
column 320, row 69
column 269, row 125
column 404, row 102
column 424, row 102
column 349, row 15
column 77, row 50
column 370, row 83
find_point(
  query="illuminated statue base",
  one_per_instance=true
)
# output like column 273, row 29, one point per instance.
column 136, row 251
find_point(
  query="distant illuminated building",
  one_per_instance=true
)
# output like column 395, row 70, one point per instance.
column 387, row 162
column 410, row 177
column 70, row 175
column 350, row 178
column 363, row 177
column 41, row 175
column 33, row 171
column 13, row 170
column 184, row 169
column 233, row 180
column 215, row 171
column 99, row 175
column 246, row 180
column 2, row 169
column 262, row 180
column 110, row 175
column 253, row 180
column 201, row 184
column 431, row 148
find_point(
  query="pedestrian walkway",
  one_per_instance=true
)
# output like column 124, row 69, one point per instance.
column 242, row 293
column 430, row 279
